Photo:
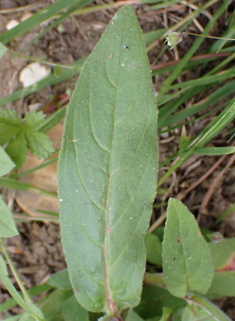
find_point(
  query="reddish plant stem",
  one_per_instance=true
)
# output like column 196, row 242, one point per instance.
column 110, row 303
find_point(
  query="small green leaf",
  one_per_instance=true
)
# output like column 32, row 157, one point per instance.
column 34, row 120
column 72, row 311
column 6, row 164
column 60, row 280
column 9, row 116
column 154, row 299
column 52, row 307
column 3, row 49
column 39, row 144
column 8, row 133
column 153, row 248
column 52, row 120
column 223, row 284
column 223, row 254
column 10, row 125
column 16, row 149
column 7, row 224
column 187, row 263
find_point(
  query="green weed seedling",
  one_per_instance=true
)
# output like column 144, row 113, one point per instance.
column 19, row 135
column 107, row 182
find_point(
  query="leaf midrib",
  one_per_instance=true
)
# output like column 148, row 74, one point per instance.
column 109, row 300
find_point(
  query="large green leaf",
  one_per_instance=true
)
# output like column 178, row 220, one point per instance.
column 187, row 263
column 107, row 170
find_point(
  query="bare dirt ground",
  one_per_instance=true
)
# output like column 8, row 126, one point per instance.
column 37, row 251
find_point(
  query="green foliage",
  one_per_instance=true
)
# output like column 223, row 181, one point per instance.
column 154, row 299
column 196, row 313
column 7, row 223
column 19, row 135
column 208, row 306
column 107, row 176
column 107, row 201
column 60, row 280
column 6, row 164
column 184, row 141
column 187, row 263
column 216, row 150
column 153, row 249
column 31, row 309
column 223, row 284
column 52, row 307
column 223, row 254
column 3, row 49
column 72, row 311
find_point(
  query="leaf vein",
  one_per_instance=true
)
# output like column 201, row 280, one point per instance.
column 133, row 230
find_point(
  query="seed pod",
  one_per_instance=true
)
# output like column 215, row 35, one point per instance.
column 173, row 38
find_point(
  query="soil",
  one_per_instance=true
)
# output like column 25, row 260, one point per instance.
column 37, row 251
